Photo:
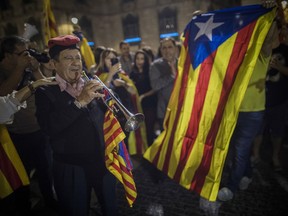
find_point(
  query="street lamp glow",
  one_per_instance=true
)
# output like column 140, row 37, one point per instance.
column 74, row 20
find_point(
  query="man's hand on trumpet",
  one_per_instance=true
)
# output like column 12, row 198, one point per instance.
column 90, row 91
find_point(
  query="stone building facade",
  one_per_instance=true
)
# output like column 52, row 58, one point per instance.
column 107, row 22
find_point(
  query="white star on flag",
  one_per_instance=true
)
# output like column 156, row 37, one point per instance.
column 206, row 28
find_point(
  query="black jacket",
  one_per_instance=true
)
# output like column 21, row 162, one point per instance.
column 76, row 135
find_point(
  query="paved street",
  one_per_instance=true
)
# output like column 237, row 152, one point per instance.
column 267, row 195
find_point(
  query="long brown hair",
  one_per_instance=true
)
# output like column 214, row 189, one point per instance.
column 101, row 67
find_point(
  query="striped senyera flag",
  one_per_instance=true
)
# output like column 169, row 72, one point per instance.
column 116, row 155
column 137, row 140
column 218, row 55
column 50, row 27
column 12, row 171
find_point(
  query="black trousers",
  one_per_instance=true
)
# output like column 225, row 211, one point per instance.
column 73, row 185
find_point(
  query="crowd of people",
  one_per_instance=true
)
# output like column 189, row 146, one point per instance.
column 55, row 118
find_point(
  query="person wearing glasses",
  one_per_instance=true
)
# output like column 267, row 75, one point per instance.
column 17, row 70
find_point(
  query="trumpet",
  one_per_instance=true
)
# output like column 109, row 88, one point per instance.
column 133, row 121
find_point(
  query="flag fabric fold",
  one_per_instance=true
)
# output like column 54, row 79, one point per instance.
column 218, row 55
column 116, row 155
column 12, row 172
column 50, row 27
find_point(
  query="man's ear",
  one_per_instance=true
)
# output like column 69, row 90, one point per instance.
column 52, row 64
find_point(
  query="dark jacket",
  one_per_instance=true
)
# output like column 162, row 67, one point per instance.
column 76, row 135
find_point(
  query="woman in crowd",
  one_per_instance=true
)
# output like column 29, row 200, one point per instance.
column 148, row 98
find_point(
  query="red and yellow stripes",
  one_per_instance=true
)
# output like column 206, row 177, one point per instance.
column 50, row 27
column 114, row 156
column 203, row 109
column 12, row 171
column 137, row 140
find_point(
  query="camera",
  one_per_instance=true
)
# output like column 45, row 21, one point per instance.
column 114, row 61
column 40, row 57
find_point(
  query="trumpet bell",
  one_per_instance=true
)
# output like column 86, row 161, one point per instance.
column 134, row 122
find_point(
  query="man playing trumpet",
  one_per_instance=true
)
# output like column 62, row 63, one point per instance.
column 75, row 128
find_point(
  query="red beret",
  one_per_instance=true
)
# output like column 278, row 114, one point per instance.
column 60, row 43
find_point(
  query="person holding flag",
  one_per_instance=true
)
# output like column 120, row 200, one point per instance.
column 250, row 118
column 218, row 57
column 69, row 113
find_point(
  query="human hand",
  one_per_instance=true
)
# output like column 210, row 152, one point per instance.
column 277, row 61
column 259, row 85
column 274, row 63
column 119, row 82
column 90, row 91
column 114, row 69
column 44, row 82
column 172, row 65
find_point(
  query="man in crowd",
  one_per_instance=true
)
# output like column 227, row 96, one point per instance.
column 162, row 75
column 250, row 119
column 126, row 57
column 17, row 70
column 73, row 118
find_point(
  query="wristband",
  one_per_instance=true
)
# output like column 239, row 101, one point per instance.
column 78, row 104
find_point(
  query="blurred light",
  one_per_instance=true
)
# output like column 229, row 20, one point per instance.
column 90, row 43
column 172, row 34
column 74, row 20
column 130, row 40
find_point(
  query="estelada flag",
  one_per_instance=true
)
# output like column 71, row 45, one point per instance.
column 218, row 55
column 50, row 27
column 12, row 171
column 117, row 159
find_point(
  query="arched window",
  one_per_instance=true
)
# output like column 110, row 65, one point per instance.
column 131, row 29
column 168, row 23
